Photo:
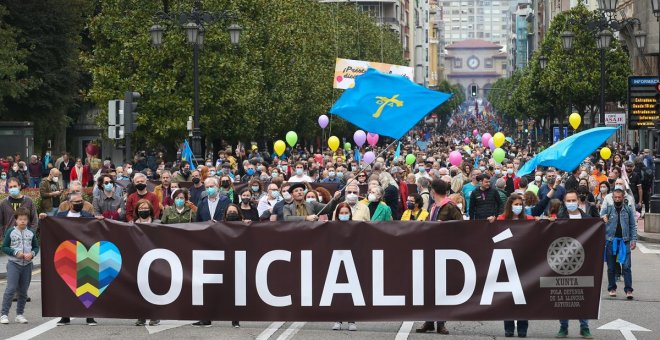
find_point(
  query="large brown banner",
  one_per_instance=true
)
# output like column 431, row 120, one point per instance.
column 323, row 271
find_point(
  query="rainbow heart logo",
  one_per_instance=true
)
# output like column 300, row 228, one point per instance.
column 87, row 272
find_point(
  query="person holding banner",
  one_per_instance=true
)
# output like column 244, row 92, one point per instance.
column 572, row 211
column 513, row 210
column 299, row 210
column 343, row 213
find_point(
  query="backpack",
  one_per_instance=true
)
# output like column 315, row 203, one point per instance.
column 646, row 174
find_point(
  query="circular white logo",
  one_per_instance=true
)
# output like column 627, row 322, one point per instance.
column 565, row 255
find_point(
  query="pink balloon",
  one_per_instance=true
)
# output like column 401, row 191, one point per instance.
column 372, row 138
column 323, row 121
column 318, row 158
column 467, row 140
column 455, row 158
column 491, row 144
column 475, row 132
column 359, row 137
column 485, row 138
column 369, row 157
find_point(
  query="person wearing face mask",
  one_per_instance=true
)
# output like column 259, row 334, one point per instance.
column 332, row 176
column 277, row 212
column 75, row 187
column 343, row 213
column 16, row 200
column 140, row 184
column 3, row 182
column 299, row 174
column 181, row 211
column 604, row 189
column 226, row 189
column 299, row 209
column 65, row 169
column 421, row 172
column 184, row 174
column 250, row 172
column 469, row 187
column 628, row 199
column 197, row 188
column 414, row 210
column 247, row 208
column 378, row 210
column 110, row 203
column 268, row 201
column 359, row 210
column 16, row 172
column 570, row 210
column 459, row 201
column 50, row 191
column 164, row 190
column 513, row 210
column 621, row 238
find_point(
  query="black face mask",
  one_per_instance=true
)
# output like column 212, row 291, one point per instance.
column 611, row 180
column 144, row 214
column 410, row 205
column 77, row 207
column 185, row 173
column 618, row 204
column 225, row 184
column 233, row 217
column 196, row 180
column 140, row 186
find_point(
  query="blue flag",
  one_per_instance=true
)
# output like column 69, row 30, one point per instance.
column 568, row 153
column 386, row 104
column 397, row 153
column 187, row 155
column 422, row 145
column 356, row 156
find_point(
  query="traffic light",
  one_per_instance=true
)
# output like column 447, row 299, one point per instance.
column 130, row 111
column 473, row 90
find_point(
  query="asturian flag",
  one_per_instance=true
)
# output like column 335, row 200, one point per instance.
column 386, row 104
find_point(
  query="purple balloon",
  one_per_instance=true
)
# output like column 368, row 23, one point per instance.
column 466, row 140
column 485, row 138
column 491, row 144
column 369, row 157
column 323, row 121
column 359, row 137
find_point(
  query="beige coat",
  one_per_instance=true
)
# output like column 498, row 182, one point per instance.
column 360, row 213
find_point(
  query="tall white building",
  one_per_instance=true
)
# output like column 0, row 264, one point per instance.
column 477, row 19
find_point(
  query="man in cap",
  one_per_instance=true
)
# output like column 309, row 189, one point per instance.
column 299, row 210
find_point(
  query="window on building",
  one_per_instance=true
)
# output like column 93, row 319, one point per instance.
column 487, row 35
column 458, row 63
column 480, row 34
column 488, row 62
column 471, row 35
column 503, row 67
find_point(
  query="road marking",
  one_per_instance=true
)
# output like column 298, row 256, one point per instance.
column 268, row 332
column 626, row 328
column 646, row 250
column 36, row 331
column 404, row 331
column 165, row 325
column 291, row 331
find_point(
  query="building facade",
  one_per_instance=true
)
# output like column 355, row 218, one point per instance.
column 476, row 19
column 477, row 63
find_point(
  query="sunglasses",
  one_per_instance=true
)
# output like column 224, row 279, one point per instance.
column 352, row 192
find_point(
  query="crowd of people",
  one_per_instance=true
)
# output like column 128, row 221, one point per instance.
column 304, row 185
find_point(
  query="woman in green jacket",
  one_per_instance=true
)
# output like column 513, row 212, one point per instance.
column 181, row 211
column 377, row 208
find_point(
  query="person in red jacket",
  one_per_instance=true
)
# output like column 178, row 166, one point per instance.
column 80, row 172
column 140, row 182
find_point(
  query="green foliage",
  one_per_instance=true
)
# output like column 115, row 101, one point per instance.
column 458, row 97
column 47, row 43
column 12, row 63
column 278, row 79
column 570, row 76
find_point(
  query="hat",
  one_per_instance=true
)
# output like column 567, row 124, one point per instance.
column 254, row 147
column 295, row 186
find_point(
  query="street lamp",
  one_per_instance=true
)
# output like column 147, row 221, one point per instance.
column 608, row 6
column 194, row 23
column 603, row 42
column 567, row 40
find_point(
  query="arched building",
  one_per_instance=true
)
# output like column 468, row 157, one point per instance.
column 477, row 63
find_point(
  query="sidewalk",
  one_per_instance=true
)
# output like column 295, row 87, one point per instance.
column 646, row 237
column 3, row 264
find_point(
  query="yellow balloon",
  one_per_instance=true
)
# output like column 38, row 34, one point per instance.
column 605, row 153
column 333, row 143
column 574, row 119
column 498, row 139
column 280, row 147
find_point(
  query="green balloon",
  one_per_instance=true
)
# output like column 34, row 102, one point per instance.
column 347, row 146
column 291, row 138
column 410, row 159
column 498, row 155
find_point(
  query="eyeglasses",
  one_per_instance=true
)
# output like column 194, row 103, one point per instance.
column 352, row 192
column 76, row 202
column 104, row 182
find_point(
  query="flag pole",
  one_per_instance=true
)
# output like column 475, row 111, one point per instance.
column 362, row 167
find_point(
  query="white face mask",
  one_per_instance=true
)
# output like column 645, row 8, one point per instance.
column 373, row 198
column 351, row 198
column 537, row 178
column 129, row 171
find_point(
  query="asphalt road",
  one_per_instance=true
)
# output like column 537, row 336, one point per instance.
column 643, row 312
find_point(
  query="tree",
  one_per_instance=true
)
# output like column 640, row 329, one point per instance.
column 12, row 64
column 278, row 78
column 50, row 32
